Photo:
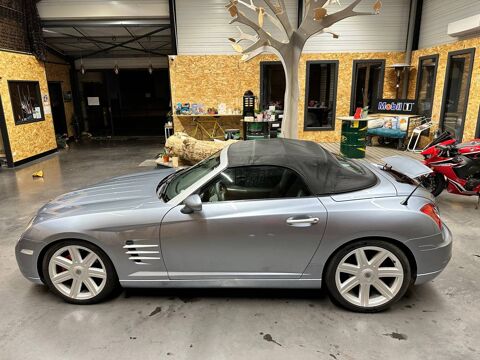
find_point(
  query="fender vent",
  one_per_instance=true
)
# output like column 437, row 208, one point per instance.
column 141, row 253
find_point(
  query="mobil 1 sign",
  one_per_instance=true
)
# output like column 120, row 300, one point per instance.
column 396, row 106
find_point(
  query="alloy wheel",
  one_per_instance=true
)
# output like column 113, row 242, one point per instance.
column 369, row 276
column 77, row 272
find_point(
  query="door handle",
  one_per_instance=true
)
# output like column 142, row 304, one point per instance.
column 302, row 221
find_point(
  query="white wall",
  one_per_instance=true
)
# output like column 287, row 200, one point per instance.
column 203, row 28
column 203, row 25
column 384, row 32
column 101, row 9
column 437, row 14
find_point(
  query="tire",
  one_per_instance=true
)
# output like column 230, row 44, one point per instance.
column 363, row 286
column 79, row 272
column 435, row 183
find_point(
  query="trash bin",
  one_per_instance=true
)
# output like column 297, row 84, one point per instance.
column 353, row 141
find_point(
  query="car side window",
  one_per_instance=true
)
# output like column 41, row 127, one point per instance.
column 254, row 183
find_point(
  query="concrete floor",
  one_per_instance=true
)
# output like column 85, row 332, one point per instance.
column 440, row 320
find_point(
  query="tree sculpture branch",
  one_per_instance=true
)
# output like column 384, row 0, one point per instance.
column 280, row 11
column 316, row 18
column 263, row 38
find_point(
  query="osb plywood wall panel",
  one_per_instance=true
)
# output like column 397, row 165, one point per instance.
column 214, row 79
column 344, row 87
column 474, row 97
column 26, row 140
column 59, row 71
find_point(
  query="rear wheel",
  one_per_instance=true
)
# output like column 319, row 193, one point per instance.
column 435, row 183
column 368, row 276
column 79, row 272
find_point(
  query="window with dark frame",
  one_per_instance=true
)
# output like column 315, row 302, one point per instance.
column 426, row 78
column 26, row 101
column 321, row 95
column 367, row 83
column 456, row 91
column 272, row 85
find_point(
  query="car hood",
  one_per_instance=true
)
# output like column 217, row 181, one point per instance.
column 120, row 193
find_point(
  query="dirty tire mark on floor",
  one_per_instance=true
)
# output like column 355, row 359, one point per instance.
column 268, row 337
column 156, row 311
column 398, row 336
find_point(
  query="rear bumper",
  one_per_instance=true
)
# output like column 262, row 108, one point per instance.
column 432, row 255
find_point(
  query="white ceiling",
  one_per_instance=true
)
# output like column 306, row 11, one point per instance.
column 102, row 9
column 87, row 28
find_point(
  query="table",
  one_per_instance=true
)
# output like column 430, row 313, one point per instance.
column 353, row 143
column 218, row 132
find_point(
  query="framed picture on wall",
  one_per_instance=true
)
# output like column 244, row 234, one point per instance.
column 26, row 101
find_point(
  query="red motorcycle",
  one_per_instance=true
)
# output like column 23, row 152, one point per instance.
column 456, row 166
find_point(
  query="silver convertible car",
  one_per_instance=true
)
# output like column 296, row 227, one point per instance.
column 270, row 213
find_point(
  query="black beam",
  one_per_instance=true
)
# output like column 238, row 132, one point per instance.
column 299, row 13
column 105, row 23
column 417, row 25
column 97, row 41
column 132, row 35
column 83, row 35
column 128, row 41
column 173, row 23
column 75, row 87
column 5, row 139
column 57, row 53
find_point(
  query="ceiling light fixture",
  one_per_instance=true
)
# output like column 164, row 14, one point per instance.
column 150, row 69
column 116, row 69
column 82, row 68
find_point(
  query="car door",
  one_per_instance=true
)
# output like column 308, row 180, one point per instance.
column 255, row 222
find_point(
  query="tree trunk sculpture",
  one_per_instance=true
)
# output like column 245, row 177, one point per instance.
column 316, row 20
column 190, row 150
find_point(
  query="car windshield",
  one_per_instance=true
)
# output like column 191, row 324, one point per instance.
column 182, row 180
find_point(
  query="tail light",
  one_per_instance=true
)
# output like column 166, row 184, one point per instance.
column 431, row 211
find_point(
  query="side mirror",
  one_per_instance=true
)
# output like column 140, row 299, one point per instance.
column 192, row 203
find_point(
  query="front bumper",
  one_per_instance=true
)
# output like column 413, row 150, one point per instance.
column 432, row 254
column 27, row 253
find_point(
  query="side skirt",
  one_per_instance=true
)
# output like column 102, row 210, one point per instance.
column 226, row 283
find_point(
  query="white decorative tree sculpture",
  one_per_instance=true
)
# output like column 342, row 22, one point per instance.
column 316, row 20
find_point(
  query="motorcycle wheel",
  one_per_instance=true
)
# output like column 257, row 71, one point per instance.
column 435, row 183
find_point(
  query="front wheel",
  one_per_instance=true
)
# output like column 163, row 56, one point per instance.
column 368, row 276
column 79, row 272
column 435, row 183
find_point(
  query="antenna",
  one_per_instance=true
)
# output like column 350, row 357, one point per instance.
column 405, row 202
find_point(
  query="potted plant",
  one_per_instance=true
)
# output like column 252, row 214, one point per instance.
column 165, row 156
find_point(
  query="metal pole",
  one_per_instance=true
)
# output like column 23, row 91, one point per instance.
column 408, row 52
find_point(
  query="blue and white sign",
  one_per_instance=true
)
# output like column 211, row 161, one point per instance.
column 395, row 106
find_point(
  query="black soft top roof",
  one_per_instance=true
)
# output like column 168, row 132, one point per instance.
column 322, row 172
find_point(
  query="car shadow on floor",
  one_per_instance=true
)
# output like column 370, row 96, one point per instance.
column 194, row 294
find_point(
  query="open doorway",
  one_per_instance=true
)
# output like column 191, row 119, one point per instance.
column 58, row 108
column 367, row 83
